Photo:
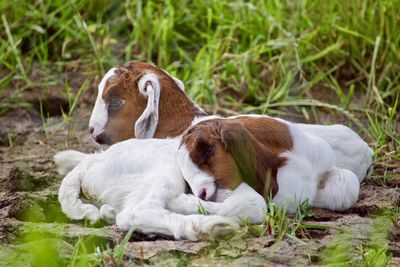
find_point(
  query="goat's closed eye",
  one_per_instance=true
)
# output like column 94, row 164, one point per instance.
column 115, row 103
column 206, row 151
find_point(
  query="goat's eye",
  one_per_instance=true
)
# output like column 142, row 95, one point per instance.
column 206, row 151
column 209, row 150
column 115, row 103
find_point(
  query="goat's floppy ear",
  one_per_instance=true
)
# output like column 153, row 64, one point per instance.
column 257, row 165
column 240, row 144
column 149, row 86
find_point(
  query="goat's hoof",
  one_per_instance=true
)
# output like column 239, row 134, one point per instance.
column 91, row 213
column 124, row 221
column 107, row 213
column 223, row 231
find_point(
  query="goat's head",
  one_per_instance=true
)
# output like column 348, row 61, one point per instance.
column 140, row 100
column 217, row 155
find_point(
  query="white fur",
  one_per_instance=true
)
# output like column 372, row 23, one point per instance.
column 196, row 178
column 145, row 126
column 239, row 205
column 131, row 183
column 351, row 152
column 134, row 181
column 67, row 160
column 310, row 163
column 139, row 184
column 340, row 190
column 99, row 115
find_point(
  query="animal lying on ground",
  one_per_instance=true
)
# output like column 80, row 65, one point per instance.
column 229, row 163
column 131, row 184
column 271, row 155
column 124, row 109
column 138, row 183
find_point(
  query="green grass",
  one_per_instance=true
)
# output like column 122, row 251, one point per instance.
column 373, row 251
column 317, row 61
column 257, row 56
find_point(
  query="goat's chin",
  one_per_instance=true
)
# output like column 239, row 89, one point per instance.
column 222, row 194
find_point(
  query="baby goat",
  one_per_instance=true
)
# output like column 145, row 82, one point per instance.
column 131, row 184
column 125, row 109
column 272, row 156
column 140, row 179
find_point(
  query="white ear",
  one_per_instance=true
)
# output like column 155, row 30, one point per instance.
column 146, row 125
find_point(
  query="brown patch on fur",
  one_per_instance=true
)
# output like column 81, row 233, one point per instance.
column 199, row 142
column 176, row 110
column 253, row 145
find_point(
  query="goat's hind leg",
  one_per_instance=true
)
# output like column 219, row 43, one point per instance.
column 339, row 191
column 153, row 219
column 69, row 198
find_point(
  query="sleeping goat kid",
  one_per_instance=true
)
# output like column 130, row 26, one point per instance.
column 219, row 156
column 127, row 185
column 125, row 109
column 140, row 100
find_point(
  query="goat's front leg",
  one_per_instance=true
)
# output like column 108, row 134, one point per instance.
column 150, row 218
column 244, row 203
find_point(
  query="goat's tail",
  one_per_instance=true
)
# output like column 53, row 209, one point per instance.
column 69, row 197
column 339, row 190
column 67, row 160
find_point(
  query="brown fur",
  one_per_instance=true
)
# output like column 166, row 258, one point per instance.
column 217, row 163
column 242, row 149
column 176, row 110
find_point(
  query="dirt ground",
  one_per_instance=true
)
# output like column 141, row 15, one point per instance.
column 30, row 213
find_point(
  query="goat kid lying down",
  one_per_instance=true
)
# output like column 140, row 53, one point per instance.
column 135, row 101
column 131, row 184
column 226, row 162
column 127, row 108
column 225, row 159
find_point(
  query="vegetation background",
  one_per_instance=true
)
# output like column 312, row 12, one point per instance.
column 314, row 61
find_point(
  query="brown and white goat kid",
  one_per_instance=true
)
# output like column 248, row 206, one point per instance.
column 140, row 100
column 272, row 156
column 124, row 109
column 131, row 184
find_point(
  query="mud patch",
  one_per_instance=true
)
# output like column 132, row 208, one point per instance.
column 51, row 106
column 370, row 200
column 17, row 126
column 373, row 197
column 14, row 179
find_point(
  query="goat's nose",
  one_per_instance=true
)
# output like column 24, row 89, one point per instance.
column 103, row 139
column 203, row 194
column 91, row 130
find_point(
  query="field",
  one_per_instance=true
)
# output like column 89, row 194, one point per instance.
column 309, row 61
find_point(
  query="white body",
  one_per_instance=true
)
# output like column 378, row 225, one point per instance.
column 310, row 173
column 131, row 183
column 139, row 184
column 351, row 152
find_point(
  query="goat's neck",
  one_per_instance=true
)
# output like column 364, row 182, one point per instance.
column 176, row 113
